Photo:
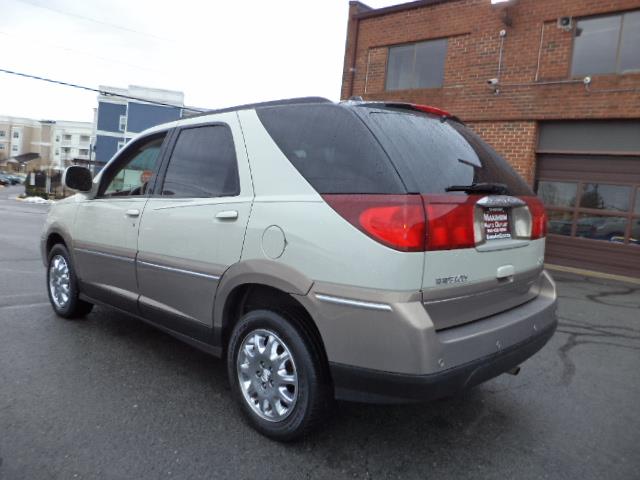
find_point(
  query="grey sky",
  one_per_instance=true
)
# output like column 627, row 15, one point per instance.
column 218, row 53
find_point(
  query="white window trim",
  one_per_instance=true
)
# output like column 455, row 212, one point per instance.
column 122, row 123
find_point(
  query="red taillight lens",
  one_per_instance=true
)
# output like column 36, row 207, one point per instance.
column 411, row 223
column 450, row 221
column 538, row 217
column 394, row 220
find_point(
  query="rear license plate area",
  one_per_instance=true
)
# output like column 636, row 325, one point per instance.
column 497, row 225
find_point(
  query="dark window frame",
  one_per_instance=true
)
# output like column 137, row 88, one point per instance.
column 414, row 44
column 617, row 71
column 156, row 191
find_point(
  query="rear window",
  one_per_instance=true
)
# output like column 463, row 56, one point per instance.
column 431, row 154
column 331, row 148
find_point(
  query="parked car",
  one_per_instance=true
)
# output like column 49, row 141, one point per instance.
column 375, row 252
column 4, row 180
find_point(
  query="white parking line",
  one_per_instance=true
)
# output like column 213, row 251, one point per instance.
column 28, row 305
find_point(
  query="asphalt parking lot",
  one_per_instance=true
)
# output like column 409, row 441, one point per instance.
column 111, row 397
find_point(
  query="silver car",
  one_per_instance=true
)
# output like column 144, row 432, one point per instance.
column 374, row 252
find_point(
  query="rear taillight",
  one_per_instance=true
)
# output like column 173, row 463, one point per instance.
column 538, row 217
column 394, row 220
column 450, row 221
column 411, row 223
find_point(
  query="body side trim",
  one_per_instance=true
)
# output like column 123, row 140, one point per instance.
column 353, row 303
column 180, row 270
column 103, row 254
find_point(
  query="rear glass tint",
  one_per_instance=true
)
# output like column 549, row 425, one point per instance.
column 331, row 148
column 431, row 154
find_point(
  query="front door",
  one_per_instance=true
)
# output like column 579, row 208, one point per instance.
column 106, row 227
column 193, row 226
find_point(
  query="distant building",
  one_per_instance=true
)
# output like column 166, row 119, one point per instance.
column 120, row 118
column 54, row 143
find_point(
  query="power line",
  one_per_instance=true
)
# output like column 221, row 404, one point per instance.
column 101, row 92
column 88, row 54
column 90, row 19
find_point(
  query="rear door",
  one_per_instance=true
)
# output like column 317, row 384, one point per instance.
column 194, row 224
column 464, row 281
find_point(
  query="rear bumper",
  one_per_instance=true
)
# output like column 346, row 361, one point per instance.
column 373, row 386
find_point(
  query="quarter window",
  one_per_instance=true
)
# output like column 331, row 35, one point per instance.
column 416, row 65
column 203, row 164
column 607, row 45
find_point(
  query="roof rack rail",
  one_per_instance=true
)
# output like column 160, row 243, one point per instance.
column 272, row 103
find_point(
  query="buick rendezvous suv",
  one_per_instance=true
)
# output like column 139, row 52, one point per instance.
column 374, row 252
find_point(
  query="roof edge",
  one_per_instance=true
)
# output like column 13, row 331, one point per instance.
column 399, row 8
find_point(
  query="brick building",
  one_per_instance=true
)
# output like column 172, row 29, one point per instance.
column 553, row 85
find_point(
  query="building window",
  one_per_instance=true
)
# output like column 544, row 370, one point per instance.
column 1, row 146
column 416, row 65
column 57, row 152
column 2, row 133
column 607, row 45
column 84, row 151
column 66, row 149
column 16, row 134
column 14, row 148
column 84, row 138
column 57, row 138
column 122, row 125
column 67, row 138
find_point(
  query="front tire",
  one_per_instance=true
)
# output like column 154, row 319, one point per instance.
column 62, row 285
column 276, row 375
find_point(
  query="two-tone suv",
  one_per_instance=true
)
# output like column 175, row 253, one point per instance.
column 376, row 252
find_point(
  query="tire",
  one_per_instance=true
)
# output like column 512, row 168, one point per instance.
column 293, row 413
column 62, row 285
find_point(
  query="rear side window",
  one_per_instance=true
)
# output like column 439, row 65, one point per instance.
column 203, row 164
column 331, row 148
column 432, row 154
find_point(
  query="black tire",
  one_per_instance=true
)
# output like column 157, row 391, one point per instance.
column 74, row 307
column 314, row 398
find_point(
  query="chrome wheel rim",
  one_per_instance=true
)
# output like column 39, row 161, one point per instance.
column 267, row 375
column 59, row 282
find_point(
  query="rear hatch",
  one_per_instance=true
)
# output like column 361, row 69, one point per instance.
column 484, row 226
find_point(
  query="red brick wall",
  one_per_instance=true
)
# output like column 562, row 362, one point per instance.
column 472, row 27
column 515, row 141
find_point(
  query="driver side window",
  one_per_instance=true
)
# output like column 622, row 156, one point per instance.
column 131, row 178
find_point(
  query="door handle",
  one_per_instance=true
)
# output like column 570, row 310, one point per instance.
column 134, row 212
column 227, row 215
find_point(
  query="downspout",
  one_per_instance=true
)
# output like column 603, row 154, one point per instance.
column 352, row 69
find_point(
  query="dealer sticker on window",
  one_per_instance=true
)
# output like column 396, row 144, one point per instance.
column 496, row 223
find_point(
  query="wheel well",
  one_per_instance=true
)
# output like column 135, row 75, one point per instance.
column 54, row 239
column 247, row 297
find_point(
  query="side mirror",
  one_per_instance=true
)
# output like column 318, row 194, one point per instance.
column 77, row 178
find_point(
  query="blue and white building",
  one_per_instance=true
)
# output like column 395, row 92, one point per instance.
column 118, row 119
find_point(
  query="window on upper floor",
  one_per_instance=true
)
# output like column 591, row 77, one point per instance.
column 14, row 148
column 1, row 146
column 122, row 124
column 84, row 138
column 57, row 138
column 416, row 65
column 2, row 133
column 67, row 138
column 607, row 44
column 16, row 134
column 83, row 151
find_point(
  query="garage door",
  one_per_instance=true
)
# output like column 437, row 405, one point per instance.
column 592, row 196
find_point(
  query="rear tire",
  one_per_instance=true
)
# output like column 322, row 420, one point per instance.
column 62, row 285
column 277, row 376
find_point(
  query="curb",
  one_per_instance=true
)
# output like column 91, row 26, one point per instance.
column 592, row 273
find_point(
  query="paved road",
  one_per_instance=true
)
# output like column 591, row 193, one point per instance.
column 111, row 397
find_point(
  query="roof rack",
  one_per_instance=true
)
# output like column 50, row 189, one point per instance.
column 272, row 103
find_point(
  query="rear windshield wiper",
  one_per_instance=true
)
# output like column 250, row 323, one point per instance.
column 497, row 188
